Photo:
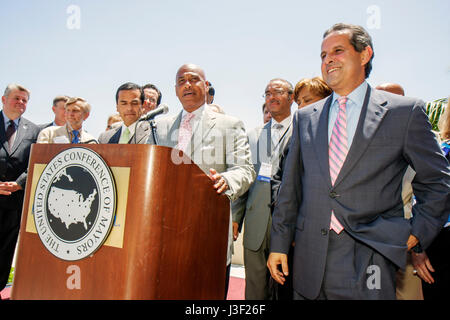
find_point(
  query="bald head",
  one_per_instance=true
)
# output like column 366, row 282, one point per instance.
column 392, row 88
column 190, row 67
column 190, row 86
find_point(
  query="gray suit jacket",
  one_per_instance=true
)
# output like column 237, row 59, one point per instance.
column 255, row 204
column 143, row 130
column 219, row 142
column 14, row 166
column 392, row 132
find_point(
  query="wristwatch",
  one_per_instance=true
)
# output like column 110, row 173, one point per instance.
column 417, row 248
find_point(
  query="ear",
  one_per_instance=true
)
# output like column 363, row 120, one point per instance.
column 366, row 55
column 3, row 100
column 85, row 116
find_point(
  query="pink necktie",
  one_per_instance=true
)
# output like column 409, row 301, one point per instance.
column 185, row 133
column 337, row 152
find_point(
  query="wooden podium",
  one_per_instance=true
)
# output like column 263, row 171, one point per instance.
column 171, row 234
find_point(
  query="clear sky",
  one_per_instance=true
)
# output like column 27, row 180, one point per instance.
column 89, row 48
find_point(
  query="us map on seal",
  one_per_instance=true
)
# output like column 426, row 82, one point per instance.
column 75, row 203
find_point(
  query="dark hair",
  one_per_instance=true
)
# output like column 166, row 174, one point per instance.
column 60, row 98
column 287, row 83
column 152, row 86
column 359, row 39
column 130, row 86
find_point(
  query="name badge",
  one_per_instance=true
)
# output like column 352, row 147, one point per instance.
column 265, row 172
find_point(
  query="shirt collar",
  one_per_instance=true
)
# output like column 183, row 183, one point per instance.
column 6, row 119
column 197, row 112
column 131, row 127
column 285, row 122
column 356, row 96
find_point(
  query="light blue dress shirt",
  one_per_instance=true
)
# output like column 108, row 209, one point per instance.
column 353, row 111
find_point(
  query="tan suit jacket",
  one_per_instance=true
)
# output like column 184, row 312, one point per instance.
column 55, row 134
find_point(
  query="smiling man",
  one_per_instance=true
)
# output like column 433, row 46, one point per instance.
column 216, row 142
column 16, row 136
column 340, row 196
column 77, row 110
column 255, row 205
column 129, row 100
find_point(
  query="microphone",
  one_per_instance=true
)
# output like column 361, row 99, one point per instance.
column 162, row 109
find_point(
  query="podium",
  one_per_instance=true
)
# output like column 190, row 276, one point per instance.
column 169, row 239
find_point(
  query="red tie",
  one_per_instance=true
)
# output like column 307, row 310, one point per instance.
column 10, row 133
column 337, row 152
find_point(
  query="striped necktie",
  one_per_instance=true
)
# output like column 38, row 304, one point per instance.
column 337, row 152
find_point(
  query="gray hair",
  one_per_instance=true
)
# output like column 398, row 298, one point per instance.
column 359, row 39
column 13, row 86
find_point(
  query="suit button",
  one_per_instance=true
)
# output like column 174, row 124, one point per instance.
column 324, row 231
column 333, row 195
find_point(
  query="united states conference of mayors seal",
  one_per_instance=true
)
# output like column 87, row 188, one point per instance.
column 74, row 204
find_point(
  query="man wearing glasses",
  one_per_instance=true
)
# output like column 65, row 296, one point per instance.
column 77, row 111
column 265, row 144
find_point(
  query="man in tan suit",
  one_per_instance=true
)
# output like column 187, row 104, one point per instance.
column 77, row 111
column 216, row 142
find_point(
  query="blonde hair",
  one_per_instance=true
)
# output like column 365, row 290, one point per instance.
column 83, row 105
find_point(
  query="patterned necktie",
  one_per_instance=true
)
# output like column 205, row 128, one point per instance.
column 337, row 152
column 125, row 136
column 75, row 136
column 276, row 135
column 10, row 133
column 185, row 133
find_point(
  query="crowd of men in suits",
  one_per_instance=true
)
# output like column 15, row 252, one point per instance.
column 318, row 192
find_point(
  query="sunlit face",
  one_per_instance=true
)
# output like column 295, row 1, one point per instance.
column 306, row 97
column 278, row 99
column 342, row 66
column 151, row 99
column 75, row 115
column 190, row 87
column 129, row 106
column 15, row 103
column 267, row 116
column 60, row 112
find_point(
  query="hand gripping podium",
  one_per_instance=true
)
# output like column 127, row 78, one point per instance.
column 168, row 239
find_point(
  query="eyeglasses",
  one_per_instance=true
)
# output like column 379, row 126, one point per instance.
column 275, row 93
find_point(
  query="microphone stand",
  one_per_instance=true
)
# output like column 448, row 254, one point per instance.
column 153, row 126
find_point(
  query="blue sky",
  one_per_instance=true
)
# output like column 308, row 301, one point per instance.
column 241, row 45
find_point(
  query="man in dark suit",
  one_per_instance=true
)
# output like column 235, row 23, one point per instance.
column 129, row 100
column 16, row 136
column 340, row 195
column 59, row 110
column 266, row 143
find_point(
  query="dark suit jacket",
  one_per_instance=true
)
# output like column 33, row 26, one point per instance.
column 13, row 165
column 255, row 204
column 143, row 130
column 392, row 132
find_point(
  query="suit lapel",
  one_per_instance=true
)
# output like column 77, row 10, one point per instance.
column 372, row 114
column 200, row 134
column 20, row 134
column 116, row 136
column 4, row 143
column 319, row 133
